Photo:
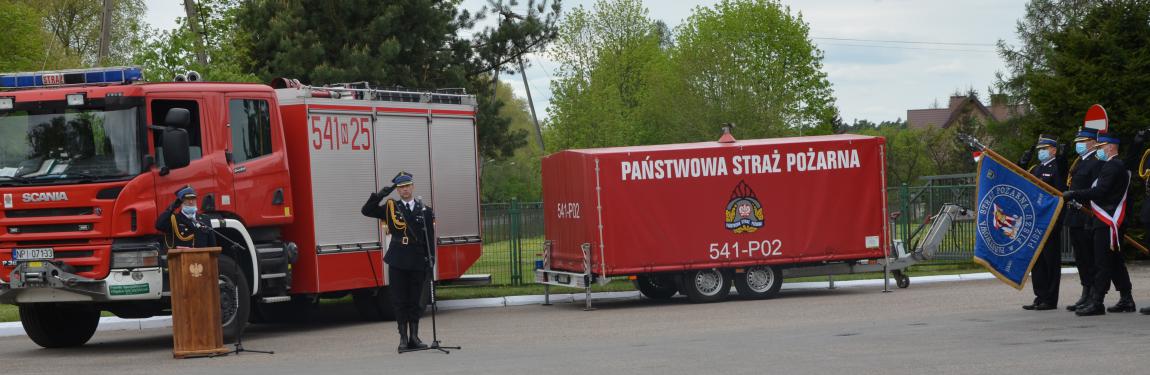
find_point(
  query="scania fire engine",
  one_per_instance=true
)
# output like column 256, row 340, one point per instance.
column 89, row 158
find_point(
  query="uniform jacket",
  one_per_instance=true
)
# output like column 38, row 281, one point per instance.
column 1082, row 174
column 1107, row 190
column 181, row 231
column 402, row 223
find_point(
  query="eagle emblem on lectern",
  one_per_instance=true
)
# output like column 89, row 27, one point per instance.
column 196, row 269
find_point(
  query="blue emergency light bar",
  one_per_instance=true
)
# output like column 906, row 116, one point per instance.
column 71, row 77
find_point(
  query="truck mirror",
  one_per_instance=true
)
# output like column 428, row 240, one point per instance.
column 177, row 153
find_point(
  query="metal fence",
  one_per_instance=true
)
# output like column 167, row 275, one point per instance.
column 512, row 240
column 513, row 232
column 913, row 207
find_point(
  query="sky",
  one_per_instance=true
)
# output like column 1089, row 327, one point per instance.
column 882, row 57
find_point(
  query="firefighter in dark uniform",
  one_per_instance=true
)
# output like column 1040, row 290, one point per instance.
column 1083, row 171
column 1107, row 198
column 1047, row 271
column 411, row 225
column 182, row 225
column 1138, row 163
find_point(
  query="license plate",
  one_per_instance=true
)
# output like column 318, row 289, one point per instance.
column 44, row 253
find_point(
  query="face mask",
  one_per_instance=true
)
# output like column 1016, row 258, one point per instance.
column 1100, row 154
column 188, row 211
column 1043, row 155
column 1080, row 147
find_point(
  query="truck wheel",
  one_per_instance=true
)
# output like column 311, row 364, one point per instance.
column 759, row 282
column 374, row 304
column 235, row 298
column 709, row 285
column 658, row 287
column 57, row 325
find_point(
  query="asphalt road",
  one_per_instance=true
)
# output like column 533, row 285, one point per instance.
column 972, row 327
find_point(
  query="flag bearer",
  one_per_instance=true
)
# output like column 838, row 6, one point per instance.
column 1047, row 271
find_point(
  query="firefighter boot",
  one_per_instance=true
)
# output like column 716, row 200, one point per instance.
column 1145, row 311
column 1081, row 300
column 415, row 342
column 403, row 341
column 1093, row 306
column 1125, row 303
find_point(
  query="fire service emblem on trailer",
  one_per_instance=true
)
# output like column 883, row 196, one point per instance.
column 744, row 212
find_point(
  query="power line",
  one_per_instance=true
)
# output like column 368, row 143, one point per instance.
column 907, row 42
column 909, row 48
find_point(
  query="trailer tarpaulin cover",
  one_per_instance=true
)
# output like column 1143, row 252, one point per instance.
column 702, row 205
column 1014, row 219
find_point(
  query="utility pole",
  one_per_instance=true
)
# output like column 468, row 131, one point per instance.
column 194, row 23
column 531, row 103
column 105, row 33
column 527, row 87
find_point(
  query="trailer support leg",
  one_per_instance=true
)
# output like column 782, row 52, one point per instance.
column 831, row 281
column 546, row 295
column 588, row 307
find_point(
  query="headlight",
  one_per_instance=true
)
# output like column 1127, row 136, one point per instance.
column 135, row 259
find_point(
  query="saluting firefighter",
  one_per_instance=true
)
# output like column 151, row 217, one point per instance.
column 1047, row 271
column 1083, row 171
column 407, row 255
column 1107, row 201
column 182, row 225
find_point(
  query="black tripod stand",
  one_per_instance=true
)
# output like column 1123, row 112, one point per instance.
column 239, row 345
column 435, row 344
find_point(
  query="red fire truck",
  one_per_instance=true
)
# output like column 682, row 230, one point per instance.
column 88, row 158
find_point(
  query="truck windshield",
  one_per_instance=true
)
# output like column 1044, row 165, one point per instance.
column 65, row 145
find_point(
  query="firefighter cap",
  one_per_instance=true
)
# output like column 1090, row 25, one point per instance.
column 186, row 192
column 1086, row 135
column 1104, row 138
column 1046, row 140
column 403, row 179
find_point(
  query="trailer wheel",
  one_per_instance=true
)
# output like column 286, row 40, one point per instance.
column 374, row 304
column 235, row 298
column 901, row 279
column 759, row 282
column 659, row 287
column 709, row 285
column 58, row 325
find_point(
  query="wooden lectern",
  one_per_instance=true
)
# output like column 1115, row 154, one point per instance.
column 194, row 278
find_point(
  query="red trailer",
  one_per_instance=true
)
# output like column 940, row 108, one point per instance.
column 694, row 217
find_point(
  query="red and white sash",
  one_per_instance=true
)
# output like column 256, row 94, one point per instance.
column 1113, row 221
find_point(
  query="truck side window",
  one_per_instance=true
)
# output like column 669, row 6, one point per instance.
column 195, row 139
column 251, row 125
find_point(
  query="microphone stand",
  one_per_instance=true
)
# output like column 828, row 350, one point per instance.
column 435, row 344
column 239, row 345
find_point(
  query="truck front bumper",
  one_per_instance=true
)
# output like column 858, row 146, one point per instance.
column 34, row 282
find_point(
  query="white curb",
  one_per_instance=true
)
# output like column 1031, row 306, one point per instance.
column 117, row 324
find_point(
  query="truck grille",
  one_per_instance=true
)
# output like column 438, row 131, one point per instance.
column 49, row 212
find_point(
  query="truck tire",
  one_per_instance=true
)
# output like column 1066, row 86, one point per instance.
column 658, row 287
column 759, row 282
column 59, row 325
column 374, row 304
column 709, row 285
column 235, row 298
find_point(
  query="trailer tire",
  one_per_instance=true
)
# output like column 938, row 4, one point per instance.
column 235, row 298
column 901, row 279
column 759, row 282
column 658, row 287
column 374, row 304
column 57, row 325
column 708, row 285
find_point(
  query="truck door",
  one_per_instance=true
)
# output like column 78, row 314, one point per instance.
column 257, row 161
column 200, row 173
